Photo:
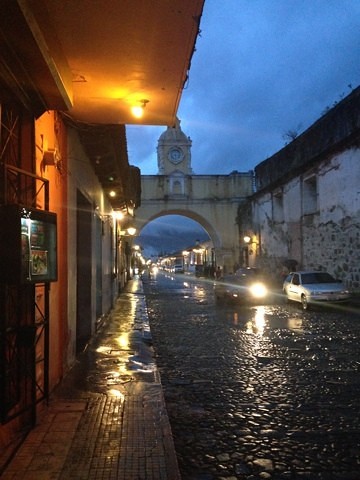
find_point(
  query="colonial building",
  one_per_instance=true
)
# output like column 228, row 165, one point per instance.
column 306, row 211
column 67, row 88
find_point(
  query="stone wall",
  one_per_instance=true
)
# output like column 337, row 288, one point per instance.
column 326, row 239
column 334, row 247
column 307, row 204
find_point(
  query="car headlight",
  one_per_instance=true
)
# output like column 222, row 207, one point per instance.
column 258, row 290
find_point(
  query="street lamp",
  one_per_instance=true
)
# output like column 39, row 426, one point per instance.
column 124, row 231
column 117, row 215
column 136, row 258
column 247, row 240
column 186, row 254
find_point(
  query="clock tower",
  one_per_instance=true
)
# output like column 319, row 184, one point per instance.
column 174, row 151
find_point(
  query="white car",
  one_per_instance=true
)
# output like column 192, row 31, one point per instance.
column 313, row 287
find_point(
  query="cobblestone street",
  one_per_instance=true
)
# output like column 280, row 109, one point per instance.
column 267, row 392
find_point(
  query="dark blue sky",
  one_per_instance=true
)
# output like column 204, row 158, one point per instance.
column 261, row 68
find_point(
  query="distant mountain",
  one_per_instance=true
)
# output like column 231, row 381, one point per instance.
column 170, row 234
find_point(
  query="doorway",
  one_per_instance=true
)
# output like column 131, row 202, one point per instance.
column 83, row 259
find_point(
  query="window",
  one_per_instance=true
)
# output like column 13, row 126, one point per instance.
column 177, row 187
column 309, row 199
column 177, row 184
column 278, row 206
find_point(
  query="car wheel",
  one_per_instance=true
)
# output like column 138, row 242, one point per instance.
column 304, row 302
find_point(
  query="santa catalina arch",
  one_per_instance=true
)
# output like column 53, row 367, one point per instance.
column 211, row 200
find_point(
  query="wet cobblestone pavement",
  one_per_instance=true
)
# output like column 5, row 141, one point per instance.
column 107, row 419
column 267, row 392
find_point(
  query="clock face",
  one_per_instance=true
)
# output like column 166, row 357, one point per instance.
column 175, row 155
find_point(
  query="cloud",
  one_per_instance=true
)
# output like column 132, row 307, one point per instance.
column 260, row 69
column 169, row 234
column 142, row 143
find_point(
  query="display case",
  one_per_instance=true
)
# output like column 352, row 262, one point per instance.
column 28, row 243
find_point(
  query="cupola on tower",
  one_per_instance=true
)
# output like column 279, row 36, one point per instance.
column 174, row 151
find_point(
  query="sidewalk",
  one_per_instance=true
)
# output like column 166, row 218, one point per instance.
column 108, row 418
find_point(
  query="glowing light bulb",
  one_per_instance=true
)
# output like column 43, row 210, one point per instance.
column 137, row 111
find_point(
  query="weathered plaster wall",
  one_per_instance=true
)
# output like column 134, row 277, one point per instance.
column 205, row 187
column 82, row 177
column 308, row 200
column 332, row 239
column 328, row 239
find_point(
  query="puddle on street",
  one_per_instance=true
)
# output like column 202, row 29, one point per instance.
column 120, row 353
column 259, row 320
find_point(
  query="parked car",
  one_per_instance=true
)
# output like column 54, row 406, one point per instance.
column 178, row 269
column 314, row 287
column 245, row 285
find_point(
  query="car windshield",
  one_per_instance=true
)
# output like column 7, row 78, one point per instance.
column 317, row 277
column 248, row 272
column 245, row 276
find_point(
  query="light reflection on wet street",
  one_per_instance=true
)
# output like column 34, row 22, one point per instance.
column 119, row 354
column 253, row 392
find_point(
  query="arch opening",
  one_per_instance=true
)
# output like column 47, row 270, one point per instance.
column 167, row 233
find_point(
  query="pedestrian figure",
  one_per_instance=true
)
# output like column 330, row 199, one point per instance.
column 218, row 273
